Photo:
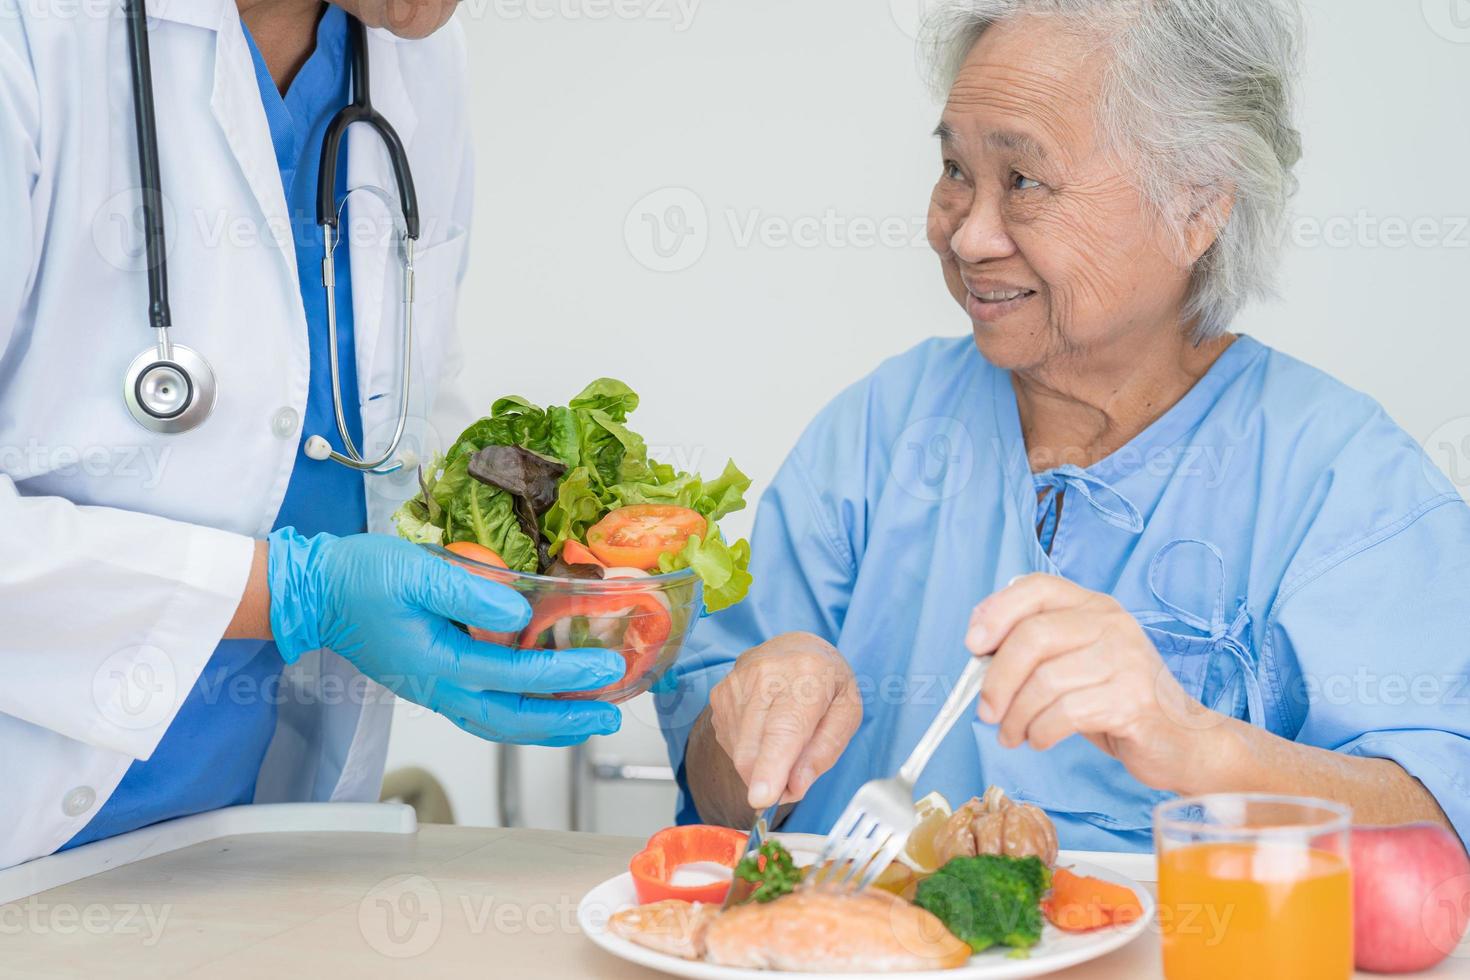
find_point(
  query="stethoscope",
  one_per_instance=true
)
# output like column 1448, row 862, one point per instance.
column 170, row 388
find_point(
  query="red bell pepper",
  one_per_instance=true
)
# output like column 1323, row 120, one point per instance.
column 654, row 866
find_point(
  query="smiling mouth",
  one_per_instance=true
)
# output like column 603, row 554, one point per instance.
column 1002, row 296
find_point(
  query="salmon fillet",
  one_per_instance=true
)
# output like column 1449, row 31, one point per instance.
column 672, row 926
column 828, row 932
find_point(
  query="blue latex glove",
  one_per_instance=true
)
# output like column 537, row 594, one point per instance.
column 389, row 607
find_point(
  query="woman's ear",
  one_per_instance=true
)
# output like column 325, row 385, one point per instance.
column 1207, row 218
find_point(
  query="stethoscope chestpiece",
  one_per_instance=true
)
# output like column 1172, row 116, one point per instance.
column 169, row 391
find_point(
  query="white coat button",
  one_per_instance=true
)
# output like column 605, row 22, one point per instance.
column 79, row 801
column 285, row 423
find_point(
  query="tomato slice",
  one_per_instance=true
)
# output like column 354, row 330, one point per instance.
column 635, row 536
column 476, row 552
column 654, row 866
column 471, row 551
column 577, row 553
column 648, row 629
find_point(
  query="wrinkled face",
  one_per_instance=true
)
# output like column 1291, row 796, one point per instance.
column 1042, row 238
column 406, row 18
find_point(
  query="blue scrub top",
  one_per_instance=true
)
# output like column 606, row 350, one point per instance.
column 211, row 754
column 1293, row 554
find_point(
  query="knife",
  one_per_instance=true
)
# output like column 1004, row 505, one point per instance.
column 740, row 889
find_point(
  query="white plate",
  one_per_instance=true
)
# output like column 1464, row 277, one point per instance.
column 1056, row 951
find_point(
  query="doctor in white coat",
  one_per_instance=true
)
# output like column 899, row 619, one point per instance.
column 168, row 645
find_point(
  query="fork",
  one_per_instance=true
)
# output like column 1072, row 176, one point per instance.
column 875, row 827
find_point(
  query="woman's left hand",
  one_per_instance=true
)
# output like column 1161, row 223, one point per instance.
column 1069, row 661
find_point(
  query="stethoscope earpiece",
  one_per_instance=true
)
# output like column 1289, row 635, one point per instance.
column 318, row 449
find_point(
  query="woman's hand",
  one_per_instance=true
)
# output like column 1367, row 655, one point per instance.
column 784, row 714
column 1069, row 661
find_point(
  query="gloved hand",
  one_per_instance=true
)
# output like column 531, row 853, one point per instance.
column 387, row 606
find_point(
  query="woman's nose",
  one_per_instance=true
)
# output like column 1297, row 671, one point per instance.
column 982, row 233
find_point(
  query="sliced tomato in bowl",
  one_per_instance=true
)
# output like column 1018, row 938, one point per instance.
column 647, row 629
column 635, row 536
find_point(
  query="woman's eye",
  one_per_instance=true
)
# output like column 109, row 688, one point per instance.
column 1021, row 182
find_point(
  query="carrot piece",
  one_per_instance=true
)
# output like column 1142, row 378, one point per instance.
column 576, row 553
column 1076, row 918
column 1078, row 903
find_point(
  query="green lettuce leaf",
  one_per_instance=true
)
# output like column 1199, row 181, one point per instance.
column 483, row 514
column 681, row 491
column 514, row 421
column 610, row 448
column 577, row 508
column 606, row 395
column 714, row 500
column 413, row 523
column 562, row 442
column 725, row 494
column 725, row 569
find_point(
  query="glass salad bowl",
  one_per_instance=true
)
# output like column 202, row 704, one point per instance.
column 646, row 618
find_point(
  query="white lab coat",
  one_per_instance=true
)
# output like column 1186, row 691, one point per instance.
column 124, row 553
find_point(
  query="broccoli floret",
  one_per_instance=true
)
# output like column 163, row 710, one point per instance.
column 988, row 900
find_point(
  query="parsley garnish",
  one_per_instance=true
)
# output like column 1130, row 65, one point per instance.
column 771, row 870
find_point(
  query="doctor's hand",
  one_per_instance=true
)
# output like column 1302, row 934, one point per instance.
column 784, row 714
column 1069, row 661
column 406, row 18
column 389, row 607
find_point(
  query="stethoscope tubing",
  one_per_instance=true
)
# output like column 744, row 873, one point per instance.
column 190, row 368
column 145, row 119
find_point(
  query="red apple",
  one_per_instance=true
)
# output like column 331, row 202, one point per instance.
column 1411, row 896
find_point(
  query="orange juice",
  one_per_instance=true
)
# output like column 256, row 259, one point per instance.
column 1261, row 911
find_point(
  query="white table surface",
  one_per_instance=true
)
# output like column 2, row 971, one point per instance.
column 444, row 902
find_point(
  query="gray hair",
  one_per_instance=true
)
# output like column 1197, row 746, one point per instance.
column 1198, row 96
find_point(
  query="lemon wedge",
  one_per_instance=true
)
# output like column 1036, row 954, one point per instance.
column 919, row 854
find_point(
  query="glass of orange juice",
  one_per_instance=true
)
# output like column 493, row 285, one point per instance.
column 1255, row 887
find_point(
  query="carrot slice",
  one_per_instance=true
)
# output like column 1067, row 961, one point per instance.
column 476, row 552
column 576, row 553
column 1079, row 904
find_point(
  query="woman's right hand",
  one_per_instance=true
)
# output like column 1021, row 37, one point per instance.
column 784, row 714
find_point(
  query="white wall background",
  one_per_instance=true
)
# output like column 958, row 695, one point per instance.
column 721, row 202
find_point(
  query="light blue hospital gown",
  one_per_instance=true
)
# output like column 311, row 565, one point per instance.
column 1292, row 553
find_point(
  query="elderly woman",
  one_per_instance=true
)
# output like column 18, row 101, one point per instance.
column 1209, row 567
